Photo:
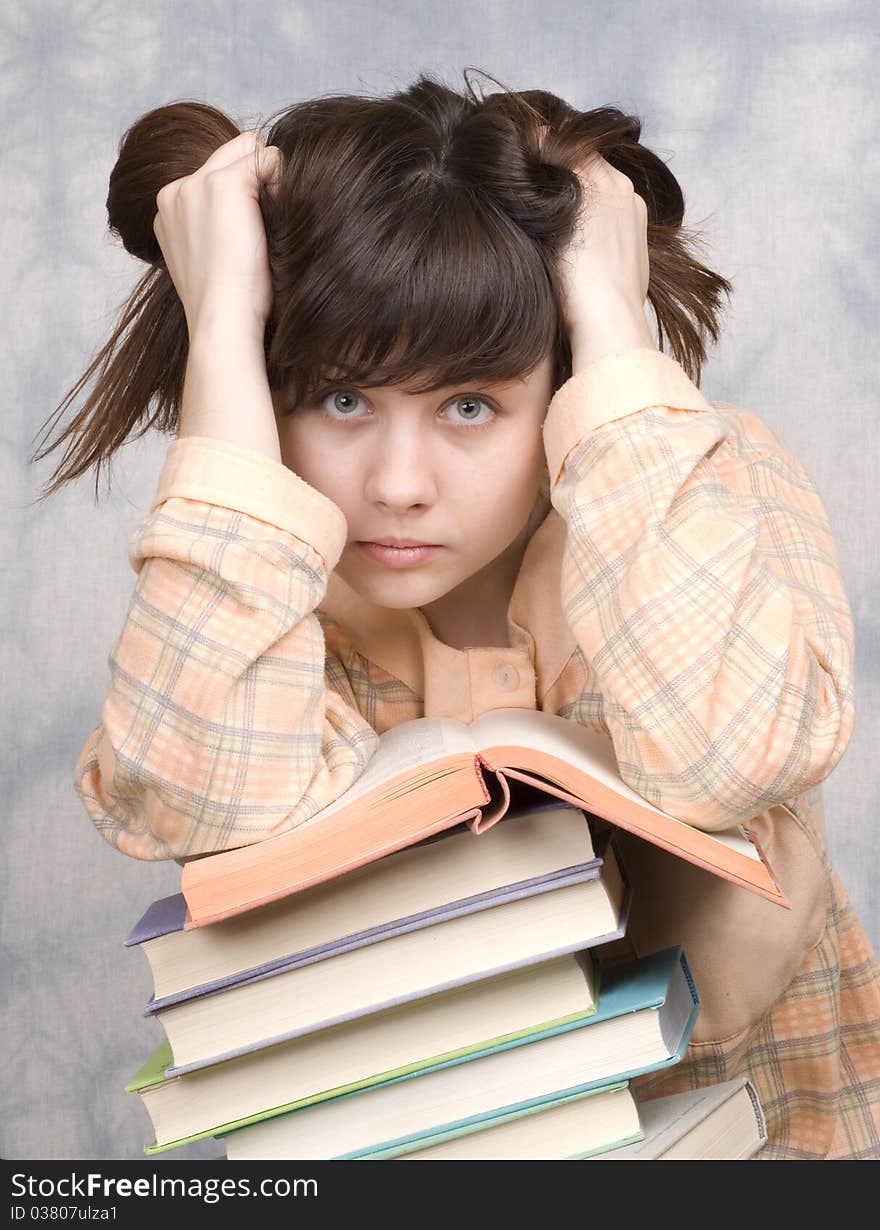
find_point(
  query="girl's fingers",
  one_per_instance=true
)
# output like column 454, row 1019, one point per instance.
column 600, row 175
column 241, row 150
column 269, row 166
column 263, row 164
column 230, row 151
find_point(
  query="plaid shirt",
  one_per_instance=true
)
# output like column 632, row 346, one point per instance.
column 682, row 595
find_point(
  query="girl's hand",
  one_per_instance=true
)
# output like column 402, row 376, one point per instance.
column 604, row 269
column 210, row 229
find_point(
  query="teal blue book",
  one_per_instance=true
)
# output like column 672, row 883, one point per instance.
column 644, row 1019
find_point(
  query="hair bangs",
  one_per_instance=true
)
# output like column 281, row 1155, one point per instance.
column 436, row 289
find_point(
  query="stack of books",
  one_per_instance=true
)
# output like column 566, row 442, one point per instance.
column 378, row 984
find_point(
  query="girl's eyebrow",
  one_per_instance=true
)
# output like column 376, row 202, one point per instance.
column 511, row 385
column 468, row 382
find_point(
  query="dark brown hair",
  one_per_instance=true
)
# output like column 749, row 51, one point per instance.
column 430, row 218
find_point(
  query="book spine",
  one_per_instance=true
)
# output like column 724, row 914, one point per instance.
column 492, row 811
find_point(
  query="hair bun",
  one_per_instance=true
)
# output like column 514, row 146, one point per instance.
column 163, row 145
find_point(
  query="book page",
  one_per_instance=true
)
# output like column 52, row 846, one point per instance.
column 402, row 748
column 590, row 751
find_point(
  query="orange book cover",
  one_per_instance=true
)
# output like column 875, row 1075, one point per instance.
column 431, row 774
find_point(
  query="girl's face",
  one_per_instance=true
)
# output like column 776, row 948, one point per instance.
column 458, row 471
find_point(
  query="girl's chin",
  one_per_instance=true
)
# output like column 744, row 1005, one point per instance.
column 397, row 590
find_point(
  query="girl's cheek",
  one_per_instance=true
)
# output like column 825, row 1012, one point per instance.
column 300, row 450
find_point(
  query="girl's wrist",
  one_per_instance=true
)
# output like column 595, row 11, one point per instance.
column 226, row 323
column 608, row 332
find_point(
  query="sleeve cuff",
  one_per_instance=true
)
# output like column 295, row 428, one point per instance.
column 611, row 388
column 229, row 475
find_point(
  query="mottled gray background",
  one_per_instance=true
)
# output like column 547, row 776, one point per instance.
column 766, row 110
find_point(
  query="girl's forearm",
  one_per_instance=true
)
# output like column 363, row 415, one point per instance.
column 226, row 390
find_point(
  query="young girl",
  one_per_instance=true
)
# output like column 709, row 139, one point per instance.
column 430, row 461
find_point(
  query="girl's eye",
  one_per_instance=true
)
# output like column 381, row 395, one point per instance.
column 468, row 409
column 339, row 404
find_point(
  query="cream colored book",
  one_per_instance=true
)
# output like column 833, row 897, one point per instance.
column 571, row 1129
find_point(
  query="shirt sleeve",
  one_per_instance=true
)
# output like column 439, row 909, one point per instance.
column 701, row 581
column 218, row 729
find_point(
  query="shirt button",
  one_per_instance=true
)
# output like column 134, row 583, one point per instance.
column 506, row 678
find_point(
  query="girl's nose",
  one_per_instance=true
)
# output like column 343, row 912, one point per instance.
column 401, row 473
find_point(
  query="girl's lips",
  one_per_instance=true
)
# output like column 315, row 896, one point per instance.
column 397, row 557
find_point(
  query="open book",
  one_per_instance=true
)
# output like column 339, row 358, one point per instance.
column 430, row 774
